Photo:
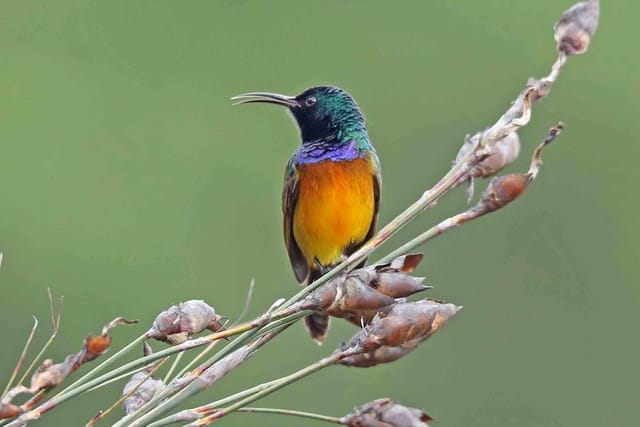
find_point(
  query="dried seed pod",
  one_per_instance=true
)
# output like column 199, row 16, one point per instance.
column 7, row 410
column 49, row 374
column 354, row 295
column 144, row 393
column 95, row 346
column 409, row 321
column 179, row 322
column 392, row 279
column 502, row 190
column 393, row 334
column 504, row 152
column 576, row 27
column 398, row 285
column 356, row 301
column 384, row 354
column 323, row 296
column 349, row 297
column 386, row 413
column 405, row 263
column 361, row 294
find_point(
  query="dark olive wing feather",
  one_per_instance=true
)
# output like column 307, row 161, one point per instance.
column 377, row 187
column 289, row 200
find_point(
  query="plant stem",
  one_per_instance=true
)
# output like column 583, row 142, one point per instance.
column 432, row 232
column 122, row 398
column 174, row 364
column 189, row 414
column 23, row 355
column 292, row 413
column 92, row 373
column 182, row 388
column 277, row 385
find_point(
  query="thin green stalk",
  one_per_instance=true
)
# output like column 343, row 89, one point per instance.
column 118, row 378
column 193, row 387
column 210, row 408
column 282, row 382
column 182, row 388
column 55, row 326
column 176, row 387
column 122, row 398
column 119, row 354
column 432, row 232
column 80, row 386
column 286, row 321
column 481, row 209
column 292, row 413
column 207, row 409
column 23, row 355
column 195, row 360
column 174, row 364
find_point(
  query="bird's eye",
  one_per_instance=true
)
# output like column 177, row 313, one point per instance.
column 310, row 101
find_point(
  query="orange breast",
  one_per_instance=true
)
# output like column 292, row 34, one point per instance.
column 335, row 208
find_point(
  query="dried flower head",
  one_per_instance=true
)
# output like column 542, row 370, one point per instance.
column 393, row 334
column 181, row 321
column 576, row 27
column 143, row 393
column 386, row 413
column 359, row 295
column 504, row 152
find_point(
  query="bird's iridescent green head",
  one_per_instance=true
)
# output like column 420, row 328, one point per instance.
column 326, row 112
column 323, row 113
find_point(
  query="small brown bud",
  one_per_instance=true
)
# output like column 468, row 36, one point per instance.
column 386, row 413
column 179, row 322
column 144, row 393
column 94, row 346
column 576, row 27
column 502, row 190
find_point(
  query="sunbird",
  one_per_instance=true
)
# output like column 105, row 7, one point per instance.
column 332, row 183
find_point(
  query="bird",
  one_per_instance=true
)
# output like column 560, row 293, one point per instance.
column 332, row 184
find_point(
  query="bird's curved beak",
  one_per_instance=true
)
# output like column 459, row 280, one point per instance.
column 268, row 97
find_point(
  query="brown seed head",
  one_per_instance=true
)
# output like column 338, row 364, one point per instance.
column 386, row 413
column 504, row 152
column 179, row 322
column 144, row 393
column 576, row 27
column 395, row 333
column 502, row 190
column 94, row 346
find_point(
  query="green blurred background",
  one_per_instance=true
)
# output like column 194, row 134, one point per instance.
column 130, row 183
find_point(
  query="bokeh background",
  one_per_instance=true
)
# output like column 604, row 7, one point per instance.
column 129, row 182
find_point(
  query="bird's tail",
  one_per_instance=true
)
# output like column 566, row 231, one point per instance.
column 317, row 324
